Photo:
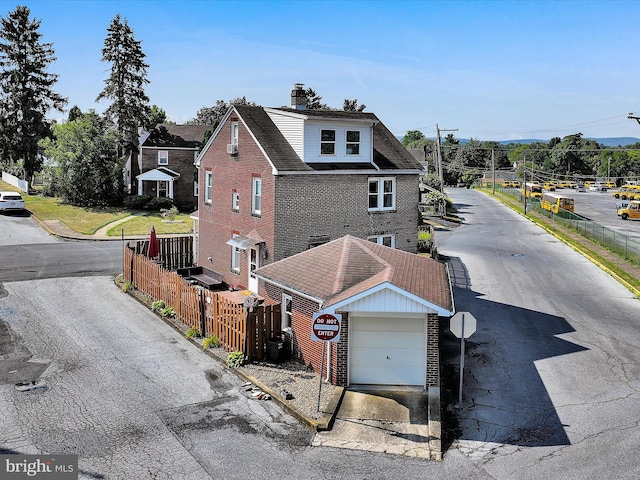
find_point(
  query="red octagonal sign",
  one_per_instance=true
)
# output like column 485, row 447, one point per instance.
column 326, row 327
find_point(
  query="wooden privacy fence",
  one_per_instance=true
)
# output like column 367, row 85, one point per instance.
column 210, row 312
column 174, row 252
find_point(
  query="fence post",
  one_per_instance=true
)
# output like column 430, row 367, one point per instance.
column 201, row 305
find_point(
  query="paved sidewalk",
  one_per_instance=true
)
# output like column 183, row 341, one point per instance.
column 59, row 229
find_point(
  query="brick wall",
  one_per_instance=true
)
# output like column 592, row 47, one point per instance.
column 180, row 161
column 433, row 350
column 217, row 221
column 336, row 205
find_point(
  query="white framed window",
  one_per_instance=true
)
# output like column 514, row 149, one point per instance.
column 163, row 157
column 287, row 311
column 208, row 182
column 234, row 133
column 235, row 257
column 388, row 240
column 235, row 201
column 353, row 142
column 256, row 196
column 196, row 190
column 382, row 194
column 327, row 142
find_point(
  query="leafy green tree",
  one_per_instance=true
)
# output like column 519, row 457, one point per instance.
column 125, row 85
column 88, row 170
column 314, row 101
column 449, row 149
column 501, row 155
column 412, row 137
column 352, row 105
column 27, row 90
column 157, row 116
column 74, row 113
column 213, row 115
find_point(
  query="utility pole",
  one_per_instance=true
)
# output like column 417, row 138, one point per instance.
column 440, row 173
column 493, row 168
column 439, row 150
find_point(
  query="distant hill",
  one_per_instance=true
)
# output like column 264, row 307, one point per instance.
column 607, row 142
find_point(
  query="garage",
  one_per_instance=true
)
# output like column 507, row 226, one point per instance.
column 387, row 350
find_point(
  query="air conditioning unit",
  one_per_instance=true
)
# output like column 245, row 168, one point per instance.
column 232, row 149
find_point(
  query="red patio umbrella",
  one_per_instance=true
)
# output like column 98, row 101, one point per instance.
column 152, row 249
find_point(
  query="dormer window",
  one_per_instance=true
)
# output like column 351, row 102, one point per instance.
column 353, row 142
column 327, row 142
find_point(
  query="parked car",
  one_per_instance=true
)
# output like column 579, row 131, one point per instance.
column 11, row 201
column 621, row 204
column 580, row 188
column 598, row 187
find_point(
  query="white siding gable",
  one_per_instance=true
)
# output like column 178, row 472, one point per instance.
column 386, row 300
column 292, row 128
column 312, row 129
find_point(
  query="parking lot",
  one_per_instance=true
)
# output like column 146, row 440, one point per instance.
column 601, row 208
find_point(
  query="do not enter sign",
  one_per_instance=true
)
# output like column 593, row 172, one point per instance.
column 326, row 327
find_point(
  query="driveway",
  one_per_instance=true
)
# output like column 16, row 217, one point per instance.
column 381, row 420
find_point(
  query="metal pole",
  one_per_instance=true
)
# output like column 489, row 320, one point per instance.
column 461, row 359
column 324, row 344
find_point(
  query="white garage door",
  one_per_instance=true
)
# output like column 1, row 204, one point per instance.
column 387, row 351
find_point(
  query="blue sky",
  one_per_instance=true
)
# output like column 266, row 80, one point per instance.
column 493, row 70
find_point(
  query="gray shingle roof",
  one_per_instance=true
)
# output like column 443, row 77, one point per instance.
column 179, row 136
column 348, row 266
column 388, row 154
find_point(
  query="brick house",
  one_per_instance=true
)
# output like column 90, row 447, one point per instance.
column 163, row 165
column 276, row 181
column 390, row 302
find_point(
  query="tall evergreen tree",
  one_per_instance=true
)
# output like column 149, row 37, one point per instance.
column 125, row 85
column 27, row 90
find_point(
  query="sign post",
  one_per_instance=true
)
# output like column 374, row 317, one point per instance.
column 462, row 325
column 325, row 328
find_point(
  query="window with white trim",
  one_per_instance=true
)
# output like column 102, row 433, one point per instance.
column 208, row 182
column 353, row 142
column 235, row 201
column 287, row 311
column 163, row 157
column 235, row 257
column 327, row 142
column 382, row 194
column 234, row 133
column 388, row 240
column 256, row 196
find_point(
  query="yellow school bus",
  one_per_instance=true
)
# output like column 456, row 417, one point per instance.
column 555, row 202
column 532, row 189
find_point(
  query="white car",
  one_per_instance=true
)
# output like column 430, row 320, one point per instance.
column 11, row 201
column 598, row 187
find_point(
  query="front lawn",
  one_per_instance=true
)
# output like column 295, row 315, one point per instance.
column 141, row 225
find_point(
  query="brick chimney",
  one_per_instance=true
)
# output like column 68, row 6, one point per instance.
column 298, row 97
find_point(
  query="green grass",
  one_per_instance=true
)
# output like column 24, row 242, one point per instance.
column 141, row 225
column 89, row 220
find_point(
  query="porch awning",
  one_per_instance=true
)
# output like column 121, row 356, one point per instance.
column 241, row 242
column 158, row 174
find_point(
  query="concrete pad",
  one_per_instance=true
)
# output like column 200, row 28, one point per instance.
column 386, row 421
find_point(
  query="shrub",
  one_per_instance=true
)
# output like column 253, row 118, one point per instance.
column 158, row 203
column 169, row 312
column 158, row 306
column 126, row 286
column 186, row 206
column 211, row 341
column 136, row 202
column 192, row 332
column 235, row 359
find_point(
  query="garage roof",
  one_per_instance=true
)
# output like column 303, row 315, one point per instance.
column 341, row 271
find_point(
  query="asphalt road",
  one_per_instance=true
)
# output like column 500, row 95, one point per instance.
column 27, row 252
column 552, row 373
